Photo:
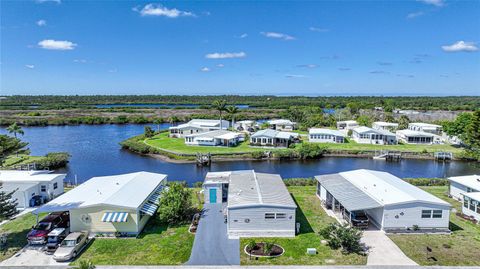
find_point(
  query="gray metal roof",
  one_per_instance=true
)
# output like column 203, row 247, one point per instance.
column 248, row 188
column 351, row 197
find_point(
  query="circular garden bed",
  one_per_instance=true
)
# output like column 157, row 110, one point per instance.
column 259, row 250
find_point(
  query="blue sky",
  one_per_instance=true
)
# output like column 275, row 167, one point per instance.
column 425, row 47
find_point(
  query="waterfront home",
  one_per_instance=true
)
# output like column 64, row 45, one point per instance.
column 425, row 127
column 471, row 205
column 214, row 138
column 119, row 204
column 366, row 135
column 386, row 126
column 282, row 125
column 29, row 184
column 256, row 204
column 246, row 126
column 463, row 184
column 347, row 125
column 273, row 138
column 197, row 126
column 414, row 137
column 321, row 135
column 391, row 203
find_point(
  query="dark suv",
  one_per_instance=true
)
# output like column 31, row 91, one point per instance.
column 39, row 233
column 359, row 219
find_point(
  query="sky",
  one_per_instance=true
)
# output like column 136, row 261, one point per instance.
column 313, row 48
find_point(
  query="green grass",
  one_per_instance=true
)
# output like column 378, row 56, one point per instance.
column 158, row 244
column 312, row 218
column 17, row 230
column 163, row 141
column 13, row 160
column 462, row 247
column 352, row 145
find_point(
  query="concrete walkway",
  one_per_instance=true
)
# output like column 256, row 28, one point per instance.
column 211, row 245
column 382, row 250
column 31, row 256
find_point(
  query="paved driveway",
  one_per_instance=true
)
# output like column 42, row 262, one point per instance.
column 382, row 250
column 31, row 256
column 211, row 245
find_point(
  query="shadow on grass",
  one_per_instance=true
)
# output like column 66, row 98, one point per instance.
column 15, row 241
column 305, row 226
column 454, row 227
column 154, row 226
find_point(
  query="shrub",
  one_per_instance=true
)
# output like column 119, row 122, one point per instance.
column 175, row 204
column 344, row 237
column 148, row 131
column 311, row 151
column 53, row 160
column 300, row 181
column 427, row 181
column 258, row 154
column 198, row 184
column 285, row 154
column 267, row 248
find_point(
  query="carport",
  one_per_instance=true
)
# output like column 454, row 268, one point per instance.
column 342, row 197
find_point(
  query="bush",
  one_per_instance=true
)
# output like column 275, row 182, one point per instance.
column 136, row 144
column 53, row 160
column 148, row 132
column 267, row 248
column 175, row 204
column 285, row 154
column 427, row 181
column 198, row 184
column 344, row 237
column 311, row 150
column 258, row 154
column 300, row 181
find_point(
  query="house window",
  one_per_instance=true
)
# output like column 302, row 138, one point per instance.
column 281, row 216
column 426, row 214
column 269, row 215
column 465, row 202
column 55, row 185
column 43, row 188
column 472, row 205
column 437, row 214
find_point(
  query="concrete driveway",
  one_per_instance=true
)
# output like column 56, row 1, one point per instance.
column 382, row 250
column 31, row 256
column 211, row 245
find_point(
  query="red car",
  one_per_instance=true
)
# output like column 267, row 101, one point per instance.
column 39, row 233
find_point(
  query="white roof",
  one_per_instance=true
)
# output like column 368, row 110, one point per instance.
column 471, row 181
column 348, row 122
column 275, row 134
column 365, row 129
column 383, row 123
column 474, row 195
column 246, row 122
column 201, row 123
column 28, row 176
column 281, row 121
column 126, row 190
column 388, row 189
column 407, row 132
column 325, row 131
column 425, row 125
column 220, row 134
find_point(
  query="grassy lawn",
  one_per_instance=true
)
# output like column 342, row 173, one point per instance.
column 352, row 145
column 158, row 244
column 19, row 160
column 312, row 219
column 462, row 247
column 17, row 230
column 163, row 141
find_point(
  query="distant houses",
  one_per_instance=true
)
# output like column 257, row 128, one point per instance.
column 366, row 135
column 256, row 204
column 415, row 137
column 466, row 189
column 197, row 126
column 425, row 127
column 391, row 203
column 246, row 126
column 282, row 125
column 214, row 138
column 385, row 126
column 347, row 125
column 273, row 138
column 322, row 135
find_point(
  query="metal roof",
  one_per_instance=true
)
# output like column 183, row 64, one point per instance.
column 275, row 134
column 407, row 133
column 471, row 181
column 281, row 121
column 220, row 134
column 384, row 123
column 473, row 195
column 248, row 188
column 325, row 131
column 28, row 176
column 351, row 197
column 126, row 190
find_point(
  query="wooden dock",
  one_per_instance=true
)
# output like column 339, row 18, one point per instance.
column 391, row 156
column 443, row 156
column 204, row 159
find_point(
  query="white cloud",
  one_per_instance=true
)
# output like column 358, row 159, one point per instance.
column 278, row 35
column 81, row 61
column 41, row 22
column 114, row 70
column 226, row 55
column 414, row 15
column 460, row 46
column 220, row 65
column 205, row 69
column 244, row 35
column 51, row 44
column 307, row 65
column 159, row 10
column 320, row 30
column 30, row 66
column 294, row 76
column 437, row 3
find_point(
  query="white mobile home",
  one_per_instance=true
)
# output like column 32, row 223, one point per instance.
column 366, row 135
column 347, row 125
column 414, row 137
column 425, row 127
column 111, row 204
column 321, row 135
column 214, row 138
column 197, row 126
column 471, row 205
column 391, row 203
column 463, row 184
column 256, row 204
column 246, row 126
column 282, row 125
column 386, row 126
column 273, row 138
column 28, row 184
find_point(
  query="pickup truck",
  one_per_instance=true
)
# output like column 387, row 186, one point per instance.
column 39, row 232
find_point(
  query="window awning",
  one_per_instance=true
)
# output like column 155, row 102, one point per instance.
column 115, row 217
column 154, row 198
column 149, row 209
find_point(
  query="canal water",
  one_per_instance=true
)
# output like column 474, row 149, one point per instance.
column 96, row 151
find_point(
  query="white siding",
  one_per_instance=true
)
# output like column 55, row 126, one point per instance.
column 456, row 190
column 407, row 215
column 251, row 222
column 96, row 225
column 206, row 192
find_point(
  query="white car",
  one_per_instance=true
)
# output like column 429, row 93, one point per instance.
column 71, row 246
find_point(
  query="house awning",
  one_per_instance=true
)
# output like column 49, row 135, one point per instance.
column 115, row 217
column 149, row 209
column 154, row 198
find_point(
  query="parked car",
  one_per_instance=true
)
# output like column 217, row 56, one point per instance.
column 39, row 232
column 71, row 246
column 55, row 237
column 359, row 219
column 36, row 200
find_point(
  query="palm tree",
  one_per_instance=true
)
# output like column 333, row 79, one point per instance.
column 232, row 110
column 220, row 106
column 173, row 119
column 15, row 129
